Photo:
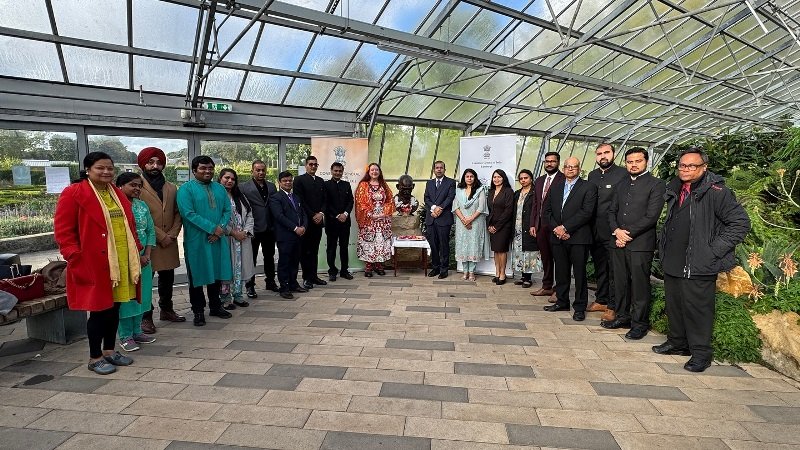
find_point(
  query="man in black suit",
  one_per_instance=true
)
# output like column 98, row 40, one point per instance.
column 605, row 177
column 633, row 216
column 338, row 206
column 258, row 191
column 540, row 226
column 310, row 189
column 570, row 209
column 439, row 194
column 290, row 226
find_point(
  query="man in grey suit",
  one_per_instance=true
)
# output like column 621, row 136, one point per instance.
column 439, row 194
column 258, row 191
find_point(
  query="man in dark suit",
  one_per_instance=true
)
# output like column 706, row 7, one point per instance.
column 338, row 206
column 540, row 226
column 632, row 217
column 310, row 189
column 570, row 209
column 290, row 225
column 605, row 177
column 439, row 194
column 258, row 191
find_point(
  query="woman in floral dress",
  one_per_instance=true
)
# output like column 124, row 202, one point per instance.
column 472, row 238
column 374, row 209
column 524, row 250
column 239, row 231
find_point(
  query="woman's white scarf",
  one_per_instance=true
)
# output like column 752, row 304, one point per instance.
column 134, row 264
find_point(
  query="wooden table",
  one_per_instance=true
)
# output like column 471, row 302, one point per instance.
column 422, row 245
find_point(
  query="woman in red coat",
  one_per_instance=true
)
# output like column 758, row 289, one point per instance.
column 96, row 234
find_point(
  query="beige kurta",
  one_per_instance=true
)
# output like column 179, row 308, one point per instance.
column 167, row 220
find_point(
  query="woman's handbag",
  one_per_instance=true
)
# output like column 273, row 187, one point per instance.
column 27, row 288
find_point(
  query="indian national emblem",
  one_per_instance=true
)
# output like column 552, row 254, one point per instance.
column 487, row 152
column 340, row 151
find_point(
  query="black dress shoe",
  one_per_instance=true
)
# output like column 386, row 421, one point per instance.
column 380, row 272
column 616, row 323
column 697, row 365
column 495, row 279
column 501, row 282
column 251, row 292
column 368, row 274
column 287, row 295
column 199, row 319
column 579, row 316
column 555, row 307
column 636, row 333
column 433, row 273
column 319, row 281
column 272, row 286
column 346, row 275
column 443, row 275
column 308, row 285
column 299, row 289
column 332, row 277
column 221, row 313
column 668, row 349
column 518, row 282
column 241, row 303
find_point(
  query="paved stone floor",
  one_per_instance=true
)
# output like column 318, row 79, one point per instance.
column 391, row 363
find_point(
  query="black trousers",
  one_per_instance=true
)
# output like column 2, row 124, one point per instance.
column 571, row 259
column 266, row 240
column 101, row 329
column 690, row 310
column 603, row 270
column 338, row 234
column 546, row 252
column 309, row 244
column 632, row 286
column 198, row 300
column 439, row 240
column 288, row 260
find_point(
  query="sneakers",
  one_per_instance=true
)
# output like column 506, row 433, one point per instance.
column 142, row 338
column 129, row 345
column 102, row 367
column 251, row 292
column 118, row 359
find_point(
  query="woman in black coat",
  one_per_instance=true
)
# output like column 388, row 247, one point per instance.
column 525, row 257
column 500, row 222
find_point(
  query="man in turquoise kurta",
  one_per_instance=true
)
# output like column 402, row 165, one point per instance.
column 205, row 210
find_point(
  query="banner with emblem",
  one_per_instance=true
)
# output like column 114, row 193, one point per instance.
column 352, row 153
column 484, row 155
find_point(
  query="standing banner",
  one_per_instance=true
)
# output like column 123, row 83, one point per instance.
column 484, row 155
column 353, row 154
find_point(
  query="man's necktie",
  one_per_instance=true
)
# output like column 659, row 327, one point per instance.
column 685, row 191
column 438, row 183
column 546, row 187
column 567, row 189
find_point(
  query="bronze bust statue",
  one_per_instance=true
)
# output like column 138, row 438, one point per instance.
column 405, row 203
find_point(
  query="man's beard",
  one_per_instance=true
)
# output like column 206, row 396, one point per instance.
column 551, row 171
column 637, row 173
column 606, row 164
column 153, row 173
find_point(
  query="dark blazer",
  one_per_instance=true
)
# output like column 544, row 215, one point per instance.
column 528, row 242
column 501, row 210
column 262, row 219
column 577, row 212
column 311, row 192
column 286, row 217
column 338, row 199
column 538, row 218
column 636, row 207
column 442, row 197
column 605, row 183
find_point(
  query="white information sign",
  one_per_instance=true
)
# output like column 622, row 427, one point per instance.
column 57, row 179
column 182, row 175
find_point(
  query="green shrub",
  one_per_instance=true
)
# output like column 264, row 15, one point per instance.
column 15, row 227
column 658, row 315
column 787, row 300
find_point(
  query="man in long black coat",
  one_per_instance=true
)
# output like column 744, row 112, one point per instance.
column 310, row 189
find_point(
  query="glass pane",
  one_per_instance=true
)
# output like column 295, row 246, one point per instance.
column 482, row 29
column 224, row 83
column 28, row 15
column 465, row 87
column 369, row 64
column 160, row 75
column 422, row 149
column 449, row 145
column 296, row 156
column 361, row 10
column 239, row 156
column 29, row 59
column 26, row 208
column 262, row 87
column 281, row 47
column 95, row 20
column 405, row 15
column 96, row 67
column 500, row 84
column 164, row 26
column 522, row 33
column 540, row 9
column 347, row 97
column 375, row 142
column 308, row 93
column 457, row 20
column 228, row 32
column 395, row 150
column 412, row 105
column 530, row 153
column 440, row 109
column 125, row 149
column 319, row 5
column 329, row 56
column 466, row 111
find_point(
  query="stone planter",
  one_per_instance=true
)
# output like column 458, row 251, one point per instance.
column 780, row 335
column 28, row 244
column 402, row 226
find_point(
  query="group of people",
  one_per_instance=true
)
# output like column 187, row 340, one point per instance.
column 116, row 234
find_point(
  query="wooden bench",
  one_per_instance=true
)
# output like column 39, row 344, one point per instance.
column 49, row 319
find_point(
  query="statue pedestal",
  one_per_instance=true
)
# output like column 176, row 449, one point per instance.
column 402, row 226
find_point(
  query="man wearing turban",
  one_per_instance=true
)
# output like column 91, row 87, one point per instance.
column 160, row 197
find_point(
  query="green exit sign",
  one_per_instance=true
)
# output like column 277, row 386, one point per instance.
column 211, row 106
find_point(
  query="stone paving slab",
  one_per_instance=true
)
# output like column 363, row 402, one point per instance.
column 41, row 367
column 495, row 324
column 412, row 344
column 714, row 370
column 339, row 324
column 501, row 340
column 434, row 309
column 337, row 440
column 389, row 284
column 307, row 371
column 363, row 312
column 638, row 391
column 270, row 314
column 424, row 392
column 65, row 384
column 462, row 294
column 17, row 347
column 777, row 414
column 237, row 380
column 28, row 439
column 561, row 437
column 274, row 347
column 346, row 295
column 493, row 370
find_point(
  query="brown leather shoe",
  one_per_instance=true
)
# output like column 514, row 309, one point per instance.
column 596, row 307
column 542, row 292
column 608, row 315
column 171, row 316
column 553, row 298
column 148, row 327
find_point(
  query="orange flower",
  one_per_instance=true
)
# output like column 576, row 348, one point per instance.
column 754, row 261
column 755, row 293
column 788, row 266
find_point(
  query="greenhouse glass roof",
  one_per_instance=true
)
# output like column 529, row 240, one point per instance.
column 649, row 71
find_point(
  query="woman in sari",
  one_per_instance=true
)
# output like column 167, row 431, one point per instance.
column 471, row 233
column 240, row 233
column 374, row 209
